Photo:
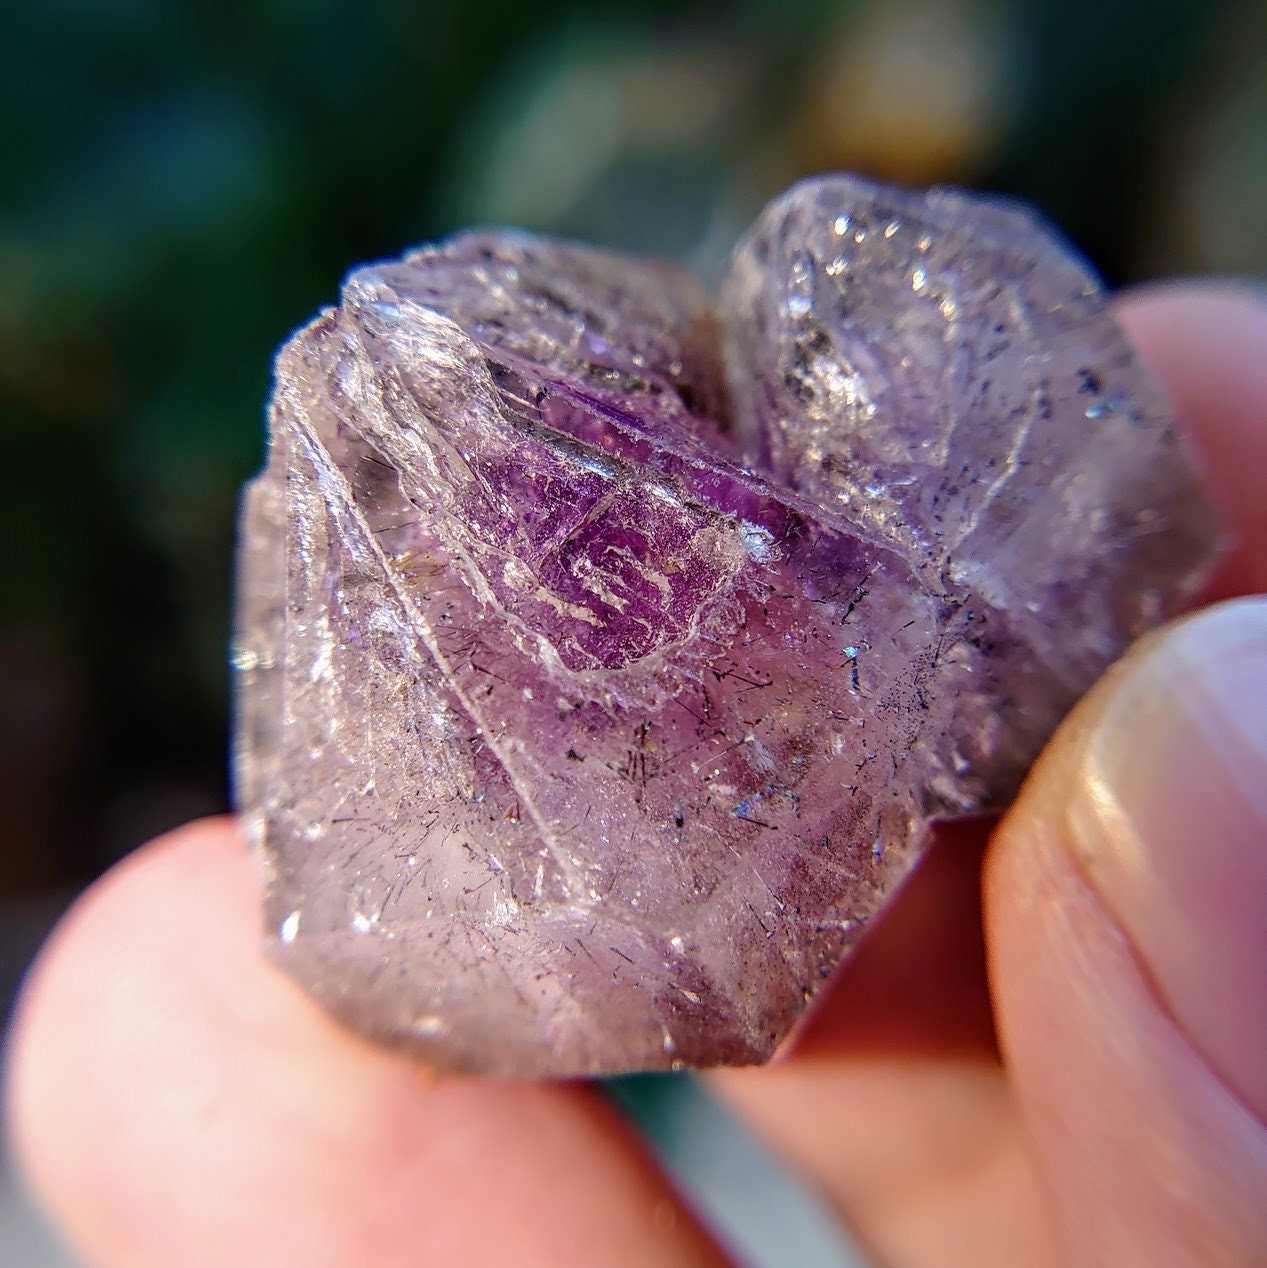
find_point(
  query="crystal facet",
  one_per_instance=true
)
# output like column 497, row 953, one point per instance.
column 606, row 655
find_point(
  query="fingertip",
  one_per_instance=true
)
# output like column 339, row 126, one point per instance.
column 123, row 1043
column 1206, row 342
column 176, row 1100
column 69, row 979
column 1127, row 1059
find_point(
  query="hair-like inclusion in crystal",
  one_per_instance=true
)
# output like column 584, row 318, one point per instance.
column 608, row 651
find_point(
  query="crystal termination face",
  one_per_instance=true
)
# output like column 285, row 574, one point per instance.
column 606, row 652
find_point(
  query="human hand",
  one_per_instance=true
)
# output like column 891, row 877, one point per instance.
column 176, row 1101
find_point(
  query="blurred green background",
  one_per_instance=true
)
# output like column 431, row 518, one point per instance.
column 182, row 183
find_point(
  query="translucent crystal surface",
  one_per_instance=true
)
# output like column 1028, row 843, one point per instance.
column 605, row 655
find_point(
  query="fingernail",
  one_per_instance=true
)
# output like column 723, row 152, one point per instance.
column 1169, row 815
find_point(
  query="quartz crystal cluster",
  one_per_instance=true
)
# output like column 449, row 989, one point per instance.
column 607, row 650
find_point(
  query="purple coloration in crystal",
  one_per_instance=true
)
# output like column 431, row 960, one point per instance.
column 605, row 657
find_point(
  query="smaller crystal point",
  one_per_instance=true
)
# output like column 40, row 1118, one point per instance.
column 606, row 656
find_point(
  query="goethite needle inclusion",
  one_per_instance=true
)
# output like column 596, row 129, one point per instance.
column 607, row 652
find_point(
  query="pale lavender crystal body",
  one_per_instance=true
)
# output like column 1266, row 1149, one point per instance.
column 606, row 656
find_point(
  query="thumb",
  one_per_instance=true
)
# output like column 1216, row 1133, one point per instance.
column 1126, row 915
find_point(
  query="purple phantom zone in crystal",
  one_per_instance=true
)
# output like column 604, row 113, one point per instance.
column 605, row 656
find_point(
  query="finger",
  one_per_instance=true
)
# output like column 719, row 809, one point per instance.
column 884, row 1101
column 893, row 1101
column 1124, row 900
column 1207, row 344
column 916, row 987
column 175, row 1100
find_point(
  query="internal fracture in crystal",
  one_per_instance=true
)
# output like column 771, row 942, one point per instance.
column 606, row 653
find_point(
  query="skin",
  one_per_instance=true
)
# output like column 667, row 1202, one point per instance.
column 1001, row 1075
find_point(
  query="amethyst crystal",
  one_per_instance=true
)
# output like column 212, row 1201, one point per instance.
column 606, row 655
